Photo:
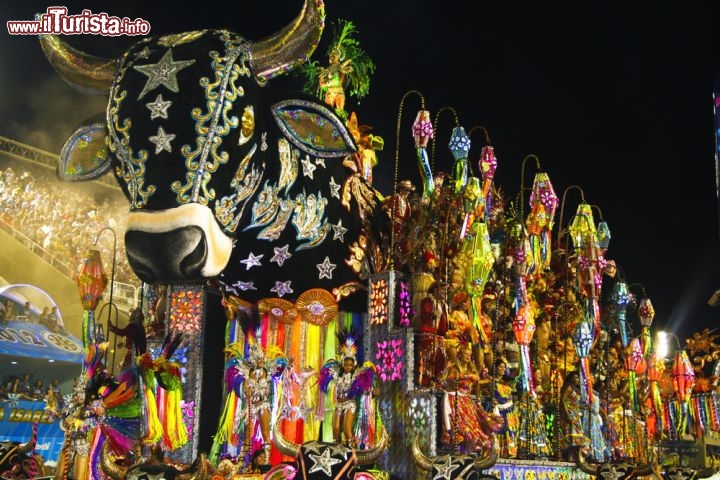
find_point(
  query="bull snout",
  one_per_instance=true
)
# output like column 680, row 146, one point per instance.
column 168, row 257
column 177, row 245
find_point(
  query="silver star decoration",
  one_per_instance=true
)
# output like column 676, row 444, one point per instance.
column 162, row 73
column 334, row 188
column 143, row 54
column 252, row 261
column 320, row 161
column 323, row 462
column 159, row 108
column 325, row 269
column 445, row 469
column 244, row 286
column 313, row 446
column 339, row 231
column 308, row 167
column 282, row 288
column 162, row 140
column 281, row 254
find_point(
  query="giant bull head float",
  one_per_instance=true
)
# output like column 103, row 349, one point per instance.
column 460, row 467
column 323, row 460
column 225, row 179
column 615, row 471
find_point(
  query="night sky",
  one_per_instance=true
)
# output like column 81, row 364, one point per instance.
column 613, row 98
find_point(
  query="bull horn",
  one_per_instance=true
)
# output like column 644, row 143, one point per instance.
column 29, row 446
column 108, row 465
column 584, row 465
column 490, row 457
column 286, row 447
column 202, row 468
column 372, row 455
column 290, row 46
column 86, row 73
column 421, row 460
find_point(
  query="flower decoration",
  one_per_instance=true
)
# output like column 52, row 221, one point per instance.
column 185, row 310
column 188, row 411
column 389, row 356
column 378, row 301
column 404, row 305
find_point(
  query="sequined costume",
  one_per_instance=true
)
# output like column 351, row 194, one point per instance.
column 258, row 387
column 464, row 416
column 504, row 407
column 592, row 426
column 531, row 437
column 343, row 403
column 571, row 424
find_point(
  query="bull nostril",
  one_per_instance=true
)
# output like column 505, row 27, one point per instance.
column 175, row 256
column 191, row 266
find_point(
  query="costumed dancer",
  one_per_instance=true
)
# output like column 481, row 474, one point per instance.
column 465, row 423
column 572, row 437
column 503, row 406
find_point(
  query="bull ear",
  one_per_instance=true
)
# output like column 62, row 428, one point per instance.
column 85, row 155
column 313, row 128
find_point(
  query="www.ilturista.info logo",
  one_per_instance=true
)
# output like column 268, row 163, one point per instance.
column 57, row 21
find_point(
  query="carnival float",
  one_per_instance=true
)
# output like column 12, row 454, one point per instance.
column 446, row 330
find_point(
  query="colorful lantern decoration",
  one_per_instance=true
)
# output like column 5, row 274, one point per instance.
column 603, row 233
column 582, row 227
column 683, row 379
column 389, row 299
column 646, row 314
column 477, row 251
column 543, row 204
column 459, row 147
column 621, row 298
column 635, row 364
column 656, row 367
column 583, row 340
column 487, row 166
column 91, row 282
column 524, row 328
column 422, row 131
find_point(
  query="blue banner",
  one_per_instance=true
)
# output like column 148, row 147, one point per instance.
column 16, row 424
column 33, row 340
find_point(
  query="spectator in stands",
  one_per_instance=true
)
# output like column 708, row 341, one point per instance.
column 26, row 384
column 37, row 390
column 28, row 313
column 3, row 314
column 9, row 310
column 44, row 318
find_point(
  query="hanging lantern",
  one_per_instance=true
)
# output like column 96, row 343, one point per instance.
column 459, row 147
column 620, row 297
column 422, row 131
column 583, row 340
column 635, row 364
column 603, row 233
column 487, row 166
column 656, row 367
column 646, row 314
column 92, row 280
column 524, row 328
column 477, row 251
column 582, row 227
column 683, row 379
column 543, row 204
